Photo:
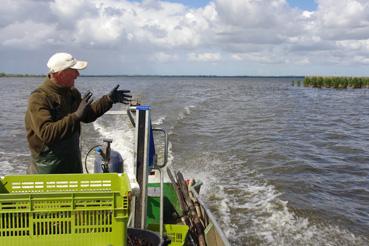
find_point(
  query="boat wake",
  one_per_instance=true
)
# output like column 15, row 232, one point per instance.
column 13, row 162
column 123, row 134
column 117, row 128
column 159, row 121
column 248, row 208
column 186, row 111
column 251, row 212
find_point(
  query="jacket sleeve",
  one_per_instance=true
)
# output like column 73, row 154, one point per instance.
column 98, row 108
column 45, row 128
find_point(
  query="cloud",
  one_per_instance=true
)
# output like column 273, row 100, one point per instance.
column 164, row 57
column 264, row 32
column 71, row 9
column 343, row 14
column 360, row 45
column 204, row 57
column 250, row 13
column 98, row 30
column 27, row 35
column 22, row 10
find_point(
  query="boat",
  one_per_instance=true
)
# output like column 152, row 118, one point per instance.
column 106, row 207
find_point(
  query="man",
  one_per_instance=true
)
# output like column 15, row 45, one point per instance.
column 54, row 113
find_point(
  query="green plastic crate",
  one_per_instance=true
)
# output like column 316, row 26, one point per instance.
column 64, row 209
column 176, row 233
column 171, row 204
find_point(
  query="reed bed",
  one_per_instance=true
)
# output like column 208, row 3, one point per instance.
column 334, row 82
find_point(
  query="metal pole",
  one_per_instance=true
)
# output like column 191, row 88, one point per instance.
column 161, row 203
column 145, row 169
column 133, row 202
column 140, row 127
column 142, row 158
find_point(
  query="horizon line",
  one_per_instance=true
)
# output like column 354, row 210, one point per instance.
column 151, row 75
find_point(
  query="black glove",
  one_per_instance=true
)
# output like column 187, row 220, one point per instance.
column 84, row 105
column 120, row 96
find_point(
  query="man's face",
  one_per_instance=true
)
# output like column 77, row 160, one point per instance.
column 66, row 77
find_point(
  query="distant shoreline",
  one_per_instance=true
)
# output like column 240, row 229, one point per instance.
column 8, row 75
column 5, row 75
column 199, row 76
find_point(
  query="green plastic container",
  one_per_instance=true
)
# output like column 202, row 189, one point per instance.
column 171, row 204
column 176, row 233
column 64, row 209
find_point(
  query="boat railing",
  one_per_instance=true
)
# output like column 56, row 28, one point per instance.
column 160, row 169
column 209, row 214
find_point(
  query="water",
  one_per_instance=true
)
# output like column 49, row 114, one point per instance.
column 281, row 165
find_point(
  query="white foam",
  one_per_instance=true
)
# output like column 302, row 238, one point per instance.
column 10, row 162
column 170, row 154
column 123, row 140
column 5, row 166
column 186, row 111
column 159, row 121
column 13, row 154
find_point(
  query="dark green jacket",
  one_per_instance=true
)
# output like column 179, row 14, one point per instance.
column 53, row 130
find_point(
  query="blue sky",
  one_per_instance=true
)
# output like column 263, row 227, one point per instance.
column 302, row 4
column 221, row 37
column 192, row 3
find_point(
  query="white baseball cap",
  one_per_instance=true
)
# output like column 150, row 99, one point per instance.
column 61, row 61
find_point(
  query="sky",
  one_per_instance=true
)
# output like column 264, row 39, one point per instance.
column 188, row 37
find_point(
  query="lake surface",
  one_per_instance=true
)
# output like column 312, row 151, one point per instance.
column 281, row 165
